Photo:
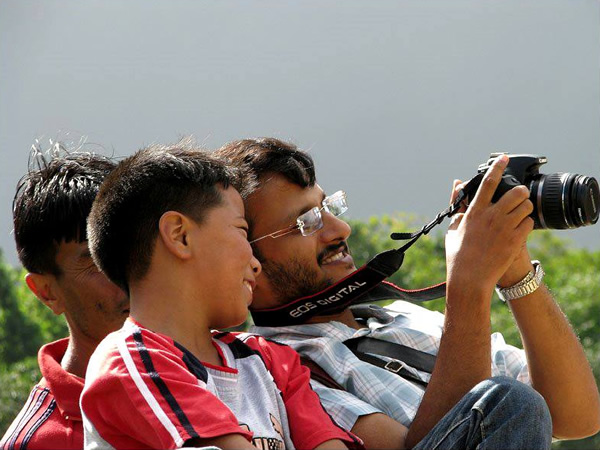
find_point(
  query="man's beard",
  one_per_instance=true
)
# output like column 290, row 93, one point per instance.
column 293, row 280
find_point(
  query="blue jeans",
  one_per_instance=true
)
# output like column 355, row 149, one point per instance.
column 498, row 413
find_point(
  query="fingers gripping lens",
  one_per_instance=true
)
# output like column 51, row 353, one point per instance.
column 312, row 221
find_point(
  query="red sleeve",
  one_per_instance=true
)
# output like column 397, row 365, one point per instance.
column 140, row 393
column 310, row 425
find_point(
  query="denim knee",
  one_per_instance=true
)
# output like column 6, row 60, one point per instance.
column 499, row 412
column 522, row 399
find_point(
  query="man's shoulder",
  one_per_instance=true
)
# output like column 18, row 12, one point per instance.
column 64, row 386
column 291, row 333
column 40, row 424
column 404, row 307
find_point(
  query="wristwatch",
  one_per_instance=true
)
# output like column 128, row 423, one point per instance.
column 526, row 286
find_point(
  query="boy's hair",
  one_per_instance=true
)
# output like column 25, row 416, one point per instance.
column 52, row 202
column 123, row 224
column 262, row 157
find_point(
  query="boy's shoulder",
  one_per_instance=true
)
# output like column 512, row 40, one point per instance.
column 131, row 347
column 131, row 334
column 143, row 388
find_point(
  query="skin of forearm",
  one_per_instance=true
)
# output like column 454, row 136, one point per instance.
column 558, row 366
column 463, row 358
column 482, row 242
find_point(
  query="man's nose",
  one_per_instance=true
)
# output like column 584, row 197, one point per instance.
column 256, row 266
column 334, row 228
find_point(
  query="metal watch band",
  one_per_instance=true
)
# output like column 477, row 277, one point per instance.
column 526, row 286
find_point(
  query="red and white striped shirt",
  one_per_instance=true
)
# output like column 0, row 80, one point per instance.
column 51, row 417
column 143, row 390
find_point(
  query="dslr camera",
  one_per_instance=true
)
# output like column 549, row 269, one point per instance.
column 560, row 200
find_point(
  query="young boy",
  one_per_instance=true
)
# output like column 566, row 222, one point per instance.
column 169, row 228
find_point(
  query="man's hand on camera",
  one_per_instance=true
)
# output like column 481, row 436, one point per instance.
column 483, row 241
column 522, row 263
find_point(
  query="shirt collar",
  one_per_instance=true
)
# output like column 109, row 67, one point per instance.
column 65, row 387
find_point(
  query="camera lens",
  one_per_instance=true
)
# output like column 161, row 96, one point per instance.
column 564, row 200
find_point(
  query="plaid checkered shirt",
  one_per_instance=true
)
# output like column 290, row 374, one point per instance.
column 370, row 389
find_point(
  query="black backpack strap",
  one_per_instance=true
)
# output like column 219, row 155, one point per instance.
column 318, row 374
column 393, row 366
column 365, row 349
column 415, row 358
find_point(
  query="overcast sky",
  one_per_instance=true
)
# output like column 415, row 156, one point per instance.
column 394, row 99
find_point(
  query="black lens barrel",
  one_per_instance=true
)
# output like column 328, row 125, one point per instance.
column 586, row 194
column 564, row 200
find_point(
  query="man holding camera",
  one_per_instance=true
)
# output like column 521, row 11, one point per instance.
column 471, row 398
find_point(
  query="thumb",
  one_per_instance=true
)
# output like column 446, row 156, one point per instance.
column 457, row 186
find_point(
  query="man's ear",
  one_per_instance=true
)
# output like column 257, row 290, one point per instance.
column 174, row 230
column 44, row 288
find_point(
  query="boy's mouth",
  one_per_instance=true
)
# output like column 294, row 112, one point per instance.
column 249, row 285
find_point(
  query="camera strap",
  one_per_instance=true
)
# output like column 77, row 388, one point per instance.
column 365, row 284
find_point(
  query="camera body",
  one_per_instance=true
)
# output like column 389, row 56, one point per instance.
column 560, row 200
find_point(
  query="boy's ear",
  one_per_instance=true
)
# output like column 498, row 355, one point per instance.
column 174, row 230
column 44, row 288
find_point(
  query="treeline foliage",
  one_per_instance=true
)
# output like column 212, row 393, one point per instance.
column 25, row 325
column 573, row 275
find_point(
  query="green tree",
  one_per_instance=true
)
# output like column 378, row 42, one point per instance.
column 25, row 325
column 50, row 326
column 19, row 334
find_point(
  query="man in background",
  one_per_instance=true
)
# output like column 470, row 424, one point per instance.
column 50, row 210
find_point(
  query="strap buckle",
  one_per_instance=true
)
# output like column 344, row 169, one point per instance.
column 394, row 366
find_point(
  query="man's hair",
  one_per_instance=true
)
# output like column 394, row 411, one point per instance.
column 123, row 224
column 260, row 158
column 52, row 202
